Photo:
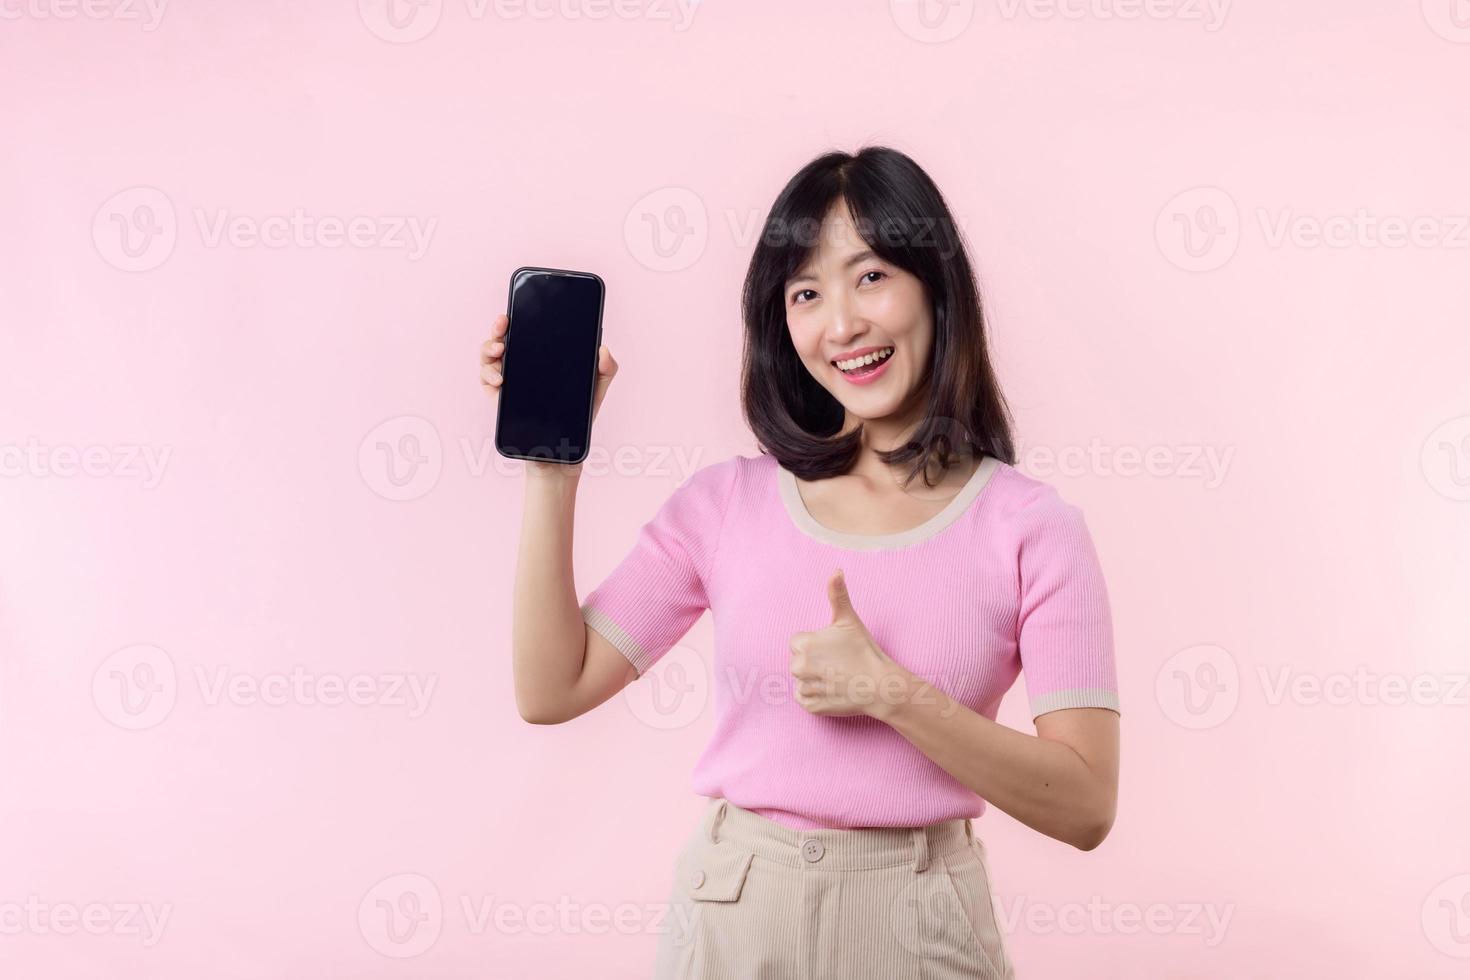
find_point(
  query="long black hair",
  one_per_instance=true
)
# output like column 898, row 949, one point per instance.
column 900, row 214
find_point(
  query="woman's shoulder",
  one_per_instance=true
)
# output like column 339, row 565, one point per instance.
column 720, row 479
column 1024, row 500
column 703, row 501
column 732, row 467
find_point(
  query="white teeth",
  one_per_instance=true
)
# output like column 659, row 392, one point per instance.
column 857, row 362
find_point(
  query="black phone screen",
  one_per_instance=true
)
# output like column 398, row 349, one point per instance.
column 550, row 365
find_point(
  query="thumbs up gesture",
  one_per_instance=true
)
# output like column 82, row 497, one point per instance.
column 839, row 669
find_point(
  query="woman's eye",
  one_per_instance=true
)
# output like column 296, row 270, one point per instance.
column 796, row 297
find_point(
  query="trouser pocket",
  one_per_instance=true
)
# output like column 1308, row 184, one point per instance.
column 967, row 880
column 713, row 871
column 709, row 929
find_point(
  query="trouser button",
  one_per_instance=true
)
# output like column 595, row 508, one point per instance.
column 812, row 849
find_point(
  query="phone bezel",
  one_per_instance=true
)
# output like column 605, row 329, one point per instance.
column 505, row 358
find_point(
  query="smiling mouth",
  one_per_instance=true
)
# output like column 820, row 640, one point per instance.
column 863, row 365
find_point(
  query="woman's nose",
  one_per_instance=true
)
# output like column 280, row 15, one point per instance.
column 843, row 323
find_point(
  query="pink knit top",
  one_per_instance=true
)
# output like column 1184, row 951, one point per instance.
column 1003, row 581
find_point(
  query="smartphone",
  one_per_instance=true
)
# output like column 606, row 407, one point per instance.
column 549, row 367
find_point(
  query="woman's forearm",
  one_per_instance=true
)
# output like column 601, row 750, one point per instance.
column 1041, row 782
column 548, row 635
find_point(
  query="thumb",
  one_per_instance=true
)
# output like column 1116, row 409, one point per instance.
column 607, row 367
column 842, row 611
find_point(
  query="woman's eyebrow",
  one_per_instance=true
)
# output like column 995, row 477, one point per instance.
column 851, row 261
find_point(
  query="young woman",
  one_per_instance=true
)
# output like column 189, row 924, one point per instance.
column 879, row 573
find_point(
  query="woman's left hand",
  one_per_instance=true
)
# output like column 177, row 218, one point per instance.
column 839, row 669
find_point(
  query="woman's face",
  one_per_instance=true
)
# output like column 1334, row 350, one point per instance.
column 847, row 302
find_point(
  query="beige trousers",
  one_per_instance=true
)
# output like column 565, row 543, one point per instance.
column 754, row 899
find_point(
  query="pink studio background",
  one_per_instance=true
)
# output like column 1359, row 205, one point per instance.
column 324, row 498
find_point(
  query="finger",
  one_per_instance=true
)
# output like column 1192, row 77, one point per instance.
column 491, row 350
column 837, row 594
column 607, row 366
column 490, row 376
column 498, row 326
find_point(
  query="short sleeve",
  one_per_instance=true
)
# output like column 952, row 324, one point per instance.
column 1065, row 626
column 661, row 587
